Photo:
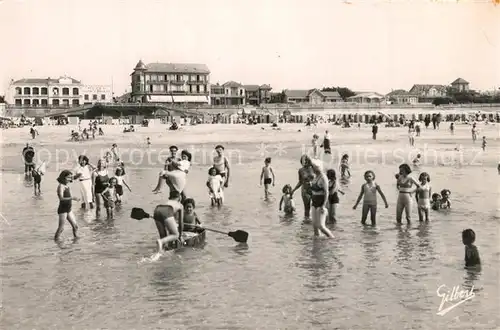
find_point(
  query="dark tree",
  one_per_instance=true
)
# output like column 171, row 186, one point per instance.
column 343, row 91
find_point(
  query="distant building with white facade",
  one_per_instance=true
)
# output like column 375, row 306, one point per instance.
column 96, row 94
column 34, row 92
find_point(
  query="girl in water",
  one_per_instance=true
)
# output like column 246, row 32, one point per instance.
column 405, row 187
column 369, row 190
column 445, row 199
column 333, row 196
column 344, row 167
column 319, row 199
column 423, row 196
column 287, row 199
column 165, row 217
column 221, row 164
column 120, row 182
column 315, row 146
column 214, row 185
column 64, row 210
column 83, row 173
column 110, row 196
column 100, row 179
column 411, row 133
column 306, row 175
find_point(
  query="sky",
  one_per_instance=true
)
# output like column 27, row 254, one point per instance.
column 366, row 45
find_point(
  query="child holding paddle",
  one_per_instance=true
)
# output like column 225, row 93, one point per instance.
column 191, row 221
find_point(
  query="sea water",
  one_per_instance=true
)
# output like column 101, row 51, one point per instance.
column 366, row 278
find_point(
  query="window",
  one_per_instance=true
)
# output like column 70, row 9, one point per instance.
column 19, row 102
column 75, row 91
column 197, row 88
column 27, row 91
column 86, row 97
column 36, row 91
column 36, row 103
column 65, row 91
column 44, row 102
column 19, row 91
column 160, row 77
column 55, row 91
column 94, row 97
column 66, row 102
column 103, row 97
column 154, row 77
column 27, row 103
column 44, row 91
column 151, row 88
column 197, row 77
column 76, row 102
column 178, row 78
column 55, row 102
column 166, row 77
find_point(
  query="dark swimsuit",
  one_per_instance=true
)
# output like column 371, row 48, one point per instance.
column 317, row 200
column 333, row 197
column 65, row 205
column 101, row 183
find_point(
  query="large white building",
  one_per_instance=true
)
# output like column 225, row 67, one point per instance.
column 33, row 92
column 60, row 92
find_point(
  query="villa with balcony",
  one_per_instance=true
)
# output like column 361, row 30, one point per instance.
column 229, row 93
column 427, row 92
column 366, row 97
column 460, row 85
column 48, row 92
column 257, row 94
column 173, row 83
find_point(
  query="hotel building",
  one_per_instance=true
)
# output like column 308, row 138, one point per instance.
column 64, row 91
column 174, row 83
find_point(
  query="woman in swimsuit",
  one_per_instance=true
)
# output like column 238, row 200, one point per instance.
column 306, row 175
column 411, row 133
column 166, row 217
column 64, row 210
column 405, row 187
column 100, row 178
column 319, row 199
column 221, row 164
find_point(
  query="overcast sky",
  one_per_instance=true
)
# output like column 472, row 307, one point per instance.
column 366, row 45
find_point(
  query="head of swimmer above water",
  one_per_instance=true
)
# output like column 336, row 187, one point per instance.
column 173, row 150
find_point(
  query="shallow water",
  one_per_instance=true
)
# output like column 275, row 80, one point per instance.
column 366, row 278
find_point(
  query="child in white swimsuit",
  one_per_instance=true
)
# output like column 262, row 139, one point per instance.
column 423, row 196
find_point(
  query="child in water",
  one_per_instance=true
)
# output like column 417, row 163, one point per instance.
column 37, row 178
column 64, row 210
column 333, row 196
column 267, row 175
column 214, row 184
column 191, row 220
column 484, row 143
column 471, row 253
column 445, row 199
column 110, row 197
column 315, row 145
column 344, row 167
column 120, row 182
column 287, row 199
column 369, row 191
column 423, row 196
column 436, row 201
column 416, row 161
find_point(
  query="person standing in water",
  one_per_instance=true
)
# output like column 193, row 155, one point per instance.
column 374, row 131
column 100, row 178
column 326, row 143
column 369, row 191
column 166, row 218
column 83, row 173
column 267, row 175
column 64, row 211
column 319, row 199
column 405, row 187
column 221, row 164
column 306, row 175
column 28, row 156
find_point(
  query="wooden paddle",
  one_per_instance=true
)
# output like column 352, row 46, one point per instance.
column 239, row 236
